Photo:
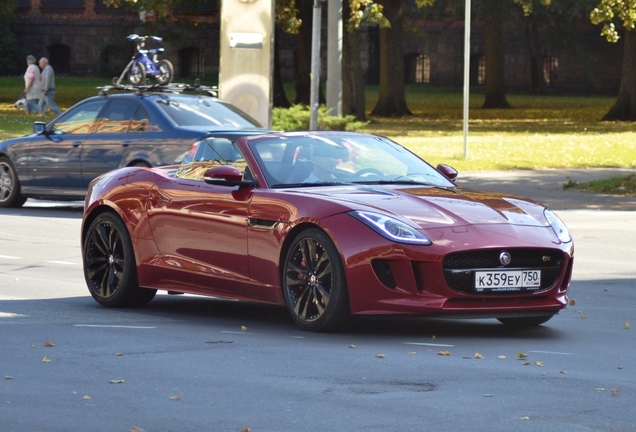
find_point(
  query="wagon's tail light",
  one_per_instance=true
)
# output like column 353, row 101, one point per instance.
column 558, row 226
column 391, row 228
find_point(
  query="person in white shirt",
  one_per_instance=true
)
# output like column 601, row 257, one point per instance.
column 31, row 86
column 47, row 84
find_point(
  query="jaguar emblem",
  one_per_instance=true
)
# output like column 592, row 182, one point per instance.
column 505, row 258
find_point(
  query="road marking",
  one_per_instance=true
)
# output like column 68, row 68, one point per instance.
column 62, row 262
column 551, row 352
column 10, row 315
column 10, row 257
column 113, row 326
column 428, row 344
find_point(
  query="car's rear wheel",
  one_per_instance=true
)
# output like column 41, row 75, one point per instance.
column 9, row 185
column 314, row 285
column 110, row 269
column 525, row 321
column 137, row 74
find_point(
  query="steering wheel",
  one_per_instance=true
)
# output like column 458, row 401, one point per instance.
column 367, row 172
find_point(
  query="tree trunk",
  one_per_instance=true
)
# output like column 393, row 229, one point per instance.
column 392, row 100
column 353, row 101
column 625, row 106
column 302, row 83
column 280, row 98
column 495, row 91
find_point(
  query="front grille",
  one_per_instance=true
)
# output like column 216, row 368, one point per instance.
column 460, row 267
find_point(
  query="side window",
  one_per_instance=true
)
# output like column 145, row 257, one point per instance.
column 211, row 152
column 140, row 122
column 80, row 120
column 117, row 116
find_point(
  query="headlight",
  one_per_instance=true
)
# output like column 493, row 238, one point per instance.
column 391, row 229
column 558, row 226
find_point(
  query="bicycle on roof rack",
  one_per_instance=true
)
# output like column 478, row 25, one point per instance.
column 146, row 64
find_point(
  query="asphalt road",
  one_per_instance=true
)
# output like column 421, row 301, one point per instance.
column 187, row 363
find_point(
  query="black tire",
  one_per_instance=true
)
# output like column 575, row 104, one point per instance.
column 314, row 285
column 110, row 269
column 10, row 195
column 166, row 72
column 525, row 321
column 137, row 74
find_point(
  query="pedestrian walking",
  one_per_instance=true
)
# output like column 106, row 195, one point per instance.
column 47, row 84
column 31, row 86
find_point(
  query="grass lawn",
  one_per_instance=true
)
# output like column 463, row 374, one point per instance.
column 537, row 132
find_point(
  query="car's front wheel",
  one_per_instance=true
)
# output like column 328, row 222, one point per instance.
column 314, row 284
column 110, row 269
column 9, row 185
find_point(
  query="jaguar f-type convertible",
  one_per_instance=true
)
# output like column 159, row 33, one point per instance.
column 330, row 224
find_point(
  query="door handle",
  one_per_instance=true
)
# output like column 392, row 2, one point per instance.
column 77, row 143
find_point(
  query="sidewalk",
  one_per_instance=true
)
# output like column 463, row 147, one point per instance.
column 546, row 186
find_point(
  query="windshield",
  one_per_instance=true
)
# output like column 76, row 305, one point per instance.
column 205, row 112
column 340, row 158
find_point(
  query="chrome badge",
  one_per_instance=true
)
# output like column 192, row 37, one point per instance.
column 505, row 258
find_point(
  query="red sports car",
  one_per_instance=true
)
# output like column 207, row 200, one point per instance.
column 330, row 224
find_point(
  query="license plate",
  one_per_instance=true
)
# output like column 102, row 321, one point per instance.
column 507, row 280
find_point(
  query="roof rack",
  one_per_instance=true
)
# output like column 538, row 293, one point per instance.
column 163, row 88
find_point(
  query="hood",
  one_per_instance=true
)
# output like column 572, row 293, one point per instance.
column 431, row 207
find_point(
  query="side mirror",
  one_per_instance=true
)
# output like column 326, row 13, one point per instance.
column 447, row 171
column 225, row 175
column 39, row 127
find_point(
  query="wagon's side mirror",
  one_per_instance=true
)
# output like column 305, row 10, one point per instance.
column 226, row 175
column 447, row 171
column 39, row 127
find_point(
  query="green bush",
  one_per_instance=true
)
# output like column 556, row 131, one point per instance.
column 297, row 118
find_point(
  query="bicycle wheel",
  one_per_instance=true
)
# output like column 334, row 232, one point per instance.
column 137, row 74
column 166, row 72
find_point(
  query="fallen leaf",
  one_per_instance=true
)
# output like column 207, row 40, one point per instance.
column 119, row 354
column 353, row 346
column 620, row 367
column 412, row 353
column 539, row 363
column 243, row 328
column 600, row 389
column 626, row 325
column 606, row 289
column 136, row 429
column 564, row 372
column 524, row 418
column 614, row 392
column 117, row 381
column 379, row 355
column 489, row 395
column 502, row 357
column 443, row 353
column 175, row 398
column 86, row 398
column 49, row 344
column 478, row 356
column 8, row 377
column 434, row 337
column 46, row 360
column 525, row 363
column 572, row 302
column 522, row 355
column 246, row 430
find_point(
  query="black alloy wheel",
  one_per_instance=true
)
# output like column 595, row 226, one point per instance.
column 109, row 264
column 9, row 185
column 314, row 285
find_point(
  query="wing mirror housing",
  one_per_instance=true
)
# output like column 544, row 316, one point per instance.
column 447, row 171
column 226, row 175
column 39, row 127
